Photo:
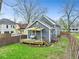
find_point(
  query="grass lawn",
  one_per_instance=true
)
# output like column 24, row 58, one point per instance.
column 22, row 51
column 76, row 35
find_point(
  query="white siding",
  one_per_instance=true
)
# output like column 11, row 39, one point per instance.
column 75, row 29
column 3, row 28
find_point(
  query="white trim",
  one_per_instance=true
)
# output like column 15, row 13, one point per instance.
column 56, row 32
column 35, row 33
column 41, row 35
column 44, row 24
column 49, row 36
column 49, row 20
column 31, row 24
column 27, row 35
column 39, row 22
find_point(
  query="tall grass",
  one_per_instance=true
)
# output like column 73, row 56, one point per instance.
column 72, row 50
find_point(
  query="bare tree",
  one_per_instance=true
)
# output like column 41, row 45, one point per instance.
column 63, row 24
column 0, row 4
column 70, row 14
column 29, row 10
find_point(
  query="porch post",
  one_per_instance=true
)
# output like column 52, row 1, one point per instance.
column 49, row 35
column 35, row 32
column 27, row 34
column 41, row 35
column 56, row 32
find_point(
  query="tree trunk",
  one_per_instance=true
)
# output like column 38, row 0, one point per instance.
column 68, row 28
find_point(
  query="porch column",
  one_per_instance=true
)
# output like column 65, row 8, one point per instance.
column 49, row 35
column 27, row 34
column 56, row 32
column 35, row 33
column 41, row 35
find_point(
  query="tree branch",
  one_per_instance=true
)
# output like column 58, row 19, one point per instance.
column 74, row 20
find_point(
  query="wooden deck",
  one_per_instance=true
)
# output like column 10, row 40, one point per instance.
column 33, row 42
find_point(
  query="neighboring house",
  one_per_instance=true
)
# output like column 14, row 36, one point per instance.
column 21, row 28
column 74, row 29
column 7, row 26
column 43, row 29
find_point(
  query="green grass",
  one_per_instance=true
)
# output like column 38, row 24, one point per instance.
column 22, row 51
column 76, row 35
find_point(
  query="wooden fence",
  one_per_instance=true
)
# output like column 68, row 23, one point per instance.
column 64, row 33
column 10, row 40
column 5, row 35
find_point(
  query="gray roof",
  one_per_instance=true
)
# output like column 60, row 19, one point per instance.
column 6, row 21
column 48, row 21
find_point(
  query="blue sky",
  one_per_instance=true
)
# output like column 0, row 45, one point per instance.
column 54, row 8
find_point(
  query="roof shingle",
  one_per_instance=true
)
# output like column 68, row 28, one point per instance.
column 6, row 21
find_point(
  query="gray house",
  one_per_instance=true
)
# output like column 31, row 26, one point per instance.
column 43, row 29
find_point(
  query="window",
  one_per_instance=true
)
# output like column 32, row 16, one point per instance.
column 76, row 29
column 73, row 29
column 13, row 26
column 6, row 32
column 6, row 26
column 11, row 31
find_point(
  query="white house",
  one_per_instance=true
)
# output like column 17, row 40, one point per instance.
column 74, row 29
column 7, row 26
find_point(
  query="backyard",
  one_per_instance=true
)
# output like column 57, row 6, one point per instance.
column 23, row 51
column 41, row 22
